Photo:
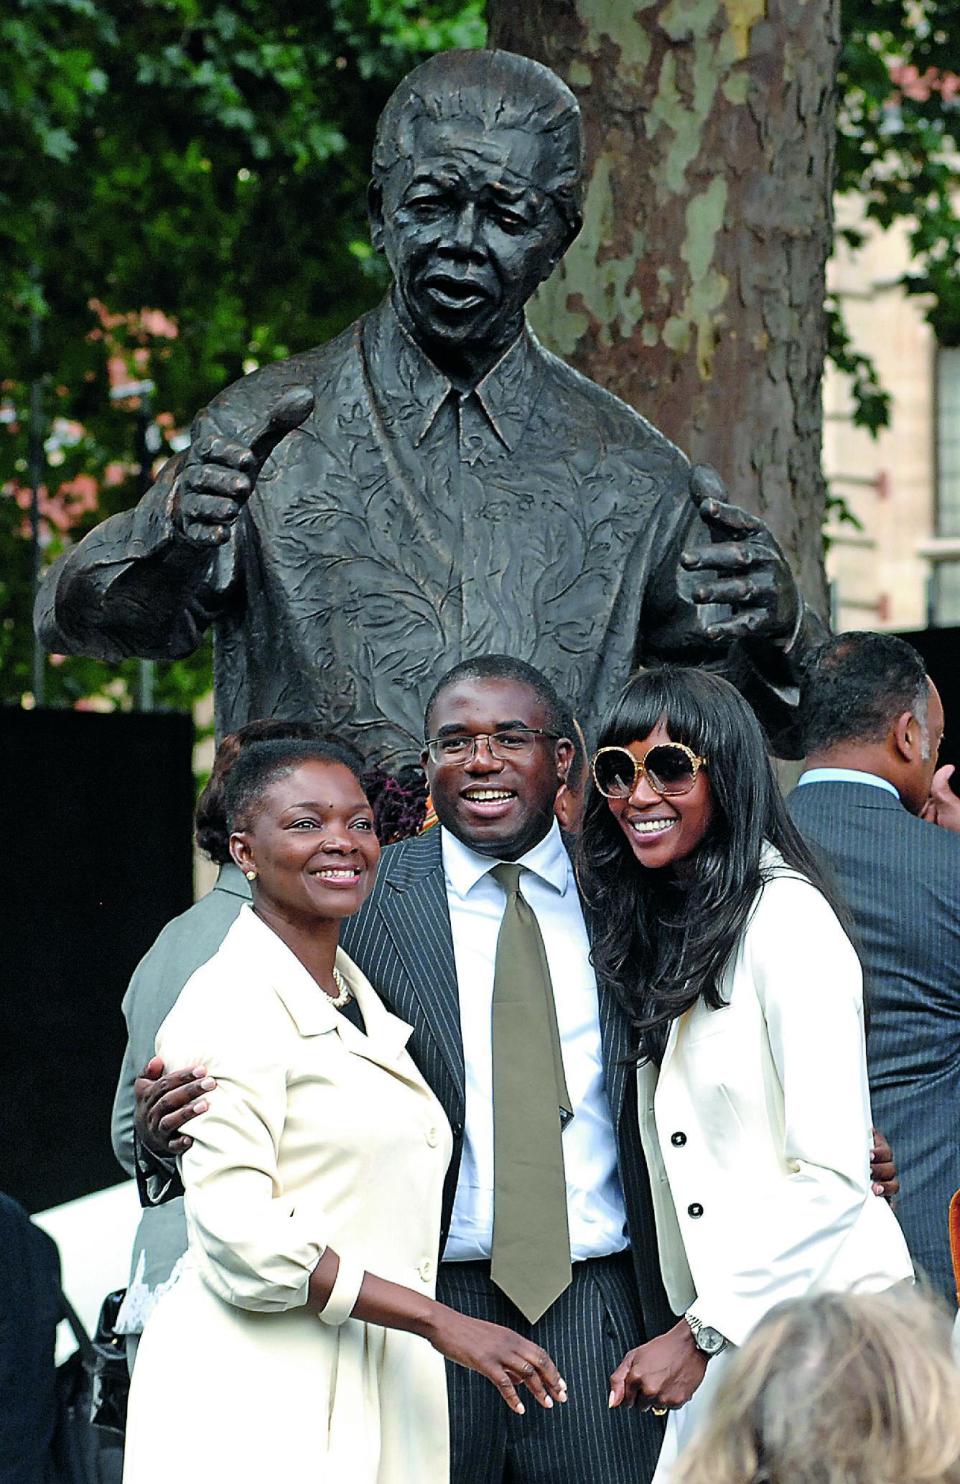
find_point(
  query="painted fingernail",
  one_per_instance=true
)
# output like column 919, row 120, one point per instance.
column 208, row 1084
column 562, row 1382
column 878, row 1190
column 610, row 1400
column 199, row 1071
column 548, row 1402
column 521, row 1409
column 201, row 1106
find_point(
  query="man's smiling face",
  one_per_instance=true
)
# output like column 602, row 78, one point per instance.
column 469, row 230
column 500, row 807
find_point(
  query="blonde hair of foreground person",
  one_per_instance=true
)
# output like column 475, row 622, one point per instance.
column 838, row 1389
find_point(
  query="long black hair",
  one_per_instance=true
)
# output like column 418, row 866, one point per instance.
column 661, row 938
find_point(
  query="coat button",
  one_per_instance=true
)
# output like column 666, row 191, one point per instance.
column 678, row 1139
column 425, row 1269
column 695, row 1210
column 433, row 1137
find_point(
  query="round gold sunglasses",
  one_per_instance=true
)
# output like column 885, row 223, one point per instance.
column 670, row 768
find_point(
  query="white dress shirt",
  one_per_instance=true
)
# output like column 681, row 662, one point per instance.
column 595, row 1208
column 846, row 775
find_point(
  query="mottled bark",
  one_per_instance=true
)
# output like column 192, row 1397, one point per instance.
column 695, row 291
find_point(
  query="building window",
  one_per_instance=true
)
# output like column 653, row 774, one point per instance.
column 946, row 578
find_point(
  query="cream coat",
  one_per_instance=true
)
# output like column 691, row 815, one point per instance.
column 316, row 1134
column 760, row 1119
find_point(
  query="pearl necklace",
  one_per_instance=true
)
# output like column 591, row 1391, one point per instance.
column 344, row 995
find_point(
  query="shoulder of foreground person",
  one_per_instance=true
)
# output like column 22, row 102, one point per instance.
column 182, row 946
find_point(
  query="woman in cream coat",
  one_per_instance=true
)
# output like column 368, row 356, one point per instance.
column 711, row 919
column 313, row 1184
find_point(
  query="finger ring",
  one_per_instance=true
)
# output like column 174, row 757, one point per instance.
column 660, row 1411
column 528, row 1369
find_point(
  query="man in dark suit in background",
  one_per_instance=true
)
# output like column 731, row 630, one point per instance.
column 426, row 938
column 873, row 721
column 30, row 1310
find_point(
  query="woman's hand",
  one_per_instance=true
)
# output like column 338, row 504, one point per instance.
column 504, row 1357
column 664, row 1372
column 883, row 1171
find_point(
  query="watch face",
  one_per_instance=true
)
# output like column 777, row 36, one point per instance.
column 710, row 1341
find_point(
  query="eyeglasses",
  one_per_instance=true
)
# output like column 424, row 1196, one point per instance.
column 670, row 768
column 461, row 747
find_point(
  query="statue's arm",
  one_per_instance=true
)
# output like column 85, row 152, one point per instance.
column 135, row 585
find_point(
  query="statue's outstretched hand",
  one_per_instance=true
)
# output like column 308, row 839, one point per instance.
column 747, row 570
column 220, row 473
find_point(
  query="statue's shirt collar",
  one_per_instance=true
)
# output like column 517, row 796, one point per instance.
column 405, row 375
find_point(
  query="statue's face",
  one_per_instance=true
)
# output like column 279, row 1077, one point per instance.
column 469, row 230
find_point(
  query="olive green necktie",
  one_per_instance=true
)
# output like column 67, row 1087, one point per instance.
column 531, row 1242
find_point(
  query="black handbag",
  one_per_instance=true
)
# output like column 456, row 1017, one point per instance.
column 92, row 1389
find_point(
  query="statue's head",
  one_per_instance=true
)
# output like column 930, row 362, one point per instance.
column 476, row 191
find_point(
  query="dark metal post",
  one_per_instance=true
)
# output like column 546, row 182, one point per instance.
column 146, row 431
column 148, row 443
column 35, row 468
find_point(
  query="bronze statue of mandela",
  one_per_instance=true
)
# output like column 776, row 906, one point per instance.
column 433, row 484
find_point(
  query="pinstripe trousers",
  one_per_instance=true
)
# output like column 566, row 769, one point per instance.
column 587, row 1332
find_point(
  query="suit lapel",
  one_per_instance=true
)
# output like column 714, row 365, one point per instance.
column 615, row 1031
column 413, row 904
column 232, row 881
column 615, row 1044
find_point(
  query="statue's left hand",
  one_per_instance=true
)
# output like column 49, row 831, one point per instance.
column 748, row 571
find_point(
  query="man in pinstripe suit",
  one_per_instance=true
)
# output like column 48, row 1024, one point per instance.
column 872, row 722
column 426, row 939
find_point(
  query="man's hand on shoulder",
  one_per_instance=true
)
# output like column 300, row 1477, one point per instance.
column 167, row 1101
column 943, row 805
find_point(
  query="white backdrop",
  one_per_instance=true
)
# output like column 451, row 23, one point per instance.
column 95, row 1236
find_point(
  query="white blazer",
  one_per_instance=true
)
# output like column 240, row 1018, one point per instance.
column 757, row 1128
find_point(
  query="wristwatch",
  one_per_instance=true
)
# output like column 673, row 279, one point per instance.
column 710, row 1341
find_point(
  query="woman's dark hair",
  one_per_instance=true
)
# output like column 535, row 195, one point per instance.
column 213, row 837
column 262, row 763
column 661, row 938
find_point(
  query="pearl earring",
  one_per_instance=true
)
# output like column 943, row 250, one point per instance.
column 250, row 875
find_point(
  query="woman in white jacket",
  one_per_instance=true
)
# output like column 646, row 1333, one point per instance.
column 312, row 1185
column 712, row 921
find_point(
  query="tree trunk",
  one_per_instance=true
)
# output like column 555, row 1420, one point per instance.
column 696, row 288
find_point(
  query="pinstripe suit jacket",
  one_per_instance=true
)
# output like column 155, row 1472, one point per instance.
column 401, row 940
column 901, row 878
